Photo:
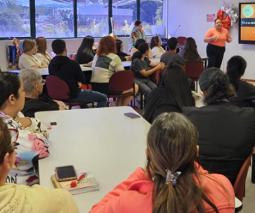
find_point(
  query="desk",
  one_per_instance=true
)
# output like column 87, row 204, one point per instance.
column 101, row 141
column 45, row 71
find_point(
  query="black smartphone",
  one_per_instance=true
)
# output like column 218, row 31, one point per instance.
column 64, row 173
column 132, row 115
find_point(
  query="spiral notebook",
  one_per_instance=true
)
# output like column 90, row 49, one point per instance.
column 88, row 184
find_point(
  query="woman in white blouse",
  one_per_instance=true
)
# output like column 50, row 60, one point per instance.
column 28, row 59
column 156, row 48
column 42, row 53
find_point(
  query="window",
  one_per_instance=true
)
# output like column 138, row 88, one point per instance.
column 152, row 17
column 54, row 18
column 92, row 18
column 124, row 15
column 14, row 18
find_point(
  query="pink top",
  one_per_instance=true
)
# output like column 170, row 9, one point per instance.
column 135, row 194
column 222, row 36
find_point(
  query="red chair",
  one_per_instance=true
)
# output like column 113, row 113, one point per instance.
column 58, row 89
column 119, row 82
column 239, row 185
column 193, row 70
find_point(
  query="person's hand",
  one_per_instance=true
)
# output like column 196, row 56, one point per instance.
column 214, row 38
column 61, row 105
column 24, row 122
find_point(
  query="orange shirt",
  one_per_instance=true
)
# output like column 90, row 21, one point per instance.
column 135, row 194
column 222, row 36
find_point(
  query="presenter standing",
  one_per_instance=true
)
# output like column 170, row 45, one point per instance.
column 216, row 38
column 137, row 32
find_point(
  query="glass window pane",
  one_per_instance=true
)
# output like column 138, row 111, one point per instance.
column 54, row 18
column 152, row 17
column 124, row 15
column 14, row 18
column 92, row 18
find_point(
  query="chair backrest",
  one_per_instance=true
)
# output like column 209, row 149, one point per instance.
column 121, row 81
column 239, row 185
column 194, row 69
column 57, row 88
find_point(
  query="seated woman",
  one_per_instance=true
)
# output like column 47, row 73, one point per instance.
column 141, row 67
column 123, row 56
column 28, row 58
column 33, row 87
column 245, row 92
column 85, row 53
column 172, row 95
column 173, row 181
column 226, row 131
column 105, row 63
column 20, row 198
column 190, row 52
column 31, row 141
column 42, row 53
column 156, row 49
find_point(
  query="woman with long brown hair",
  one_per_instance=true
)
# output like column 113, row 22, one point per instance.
column 173, row 182
column 42, row 53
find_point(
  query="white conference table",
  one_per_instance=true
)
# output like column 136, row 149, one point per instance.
column 84, row 68
column 101, row 141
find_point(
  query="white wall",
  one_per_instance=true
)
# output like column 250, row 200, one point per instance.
column 190, row 15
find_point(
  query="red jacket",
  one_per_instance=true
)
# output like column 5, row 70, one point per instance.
column 135, row 194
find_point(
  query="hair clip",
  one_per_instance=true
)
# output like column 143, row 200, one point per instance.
column 172, row 177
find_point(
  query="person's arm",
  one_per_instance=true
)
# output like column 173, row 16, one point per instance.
column 209, row 37
column 229, row 38
column 110, row 200
column 147, row 73
column 79, row 74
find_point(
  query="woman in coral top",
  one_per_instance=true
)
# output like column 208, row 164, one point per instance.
column 216, row 38
column 173, row 181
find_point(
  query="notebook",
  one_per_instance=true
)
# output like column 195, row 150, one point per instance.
column 88, row 184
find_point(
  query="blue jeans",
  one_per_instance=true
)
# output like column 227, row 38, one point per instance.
column 87, row 96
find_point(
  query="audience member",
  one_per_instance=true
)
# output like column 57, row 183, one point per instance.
column 70, row 72
column 171, row 54
column 31, row 142
column 141, row 67
column 105, row 63
column 42, row 53
column 85, row 53
column 34, row 101
column 20, row 198
column 226, row 131
column 119, row 51
column 190, row 52
column 28, row 58
column 245, row 91
column 137, row 32
column 173, row 181
column 171, row 96
column 156, row 49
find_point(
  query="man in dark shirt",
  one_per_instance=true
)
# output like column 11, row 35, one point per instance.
column 171, row 55
column 71, row 73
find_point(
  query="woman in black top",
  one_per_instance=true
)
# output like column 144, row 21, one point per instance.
column 123, row 56
column 85, row 53
column 245, row 92
column 190, row 52
column 173, row 93
column 226, row 131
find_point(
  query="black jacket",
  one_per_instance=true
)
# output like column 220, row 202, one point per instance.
column 226, row 136
column 69, row 71
column 35, row 105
